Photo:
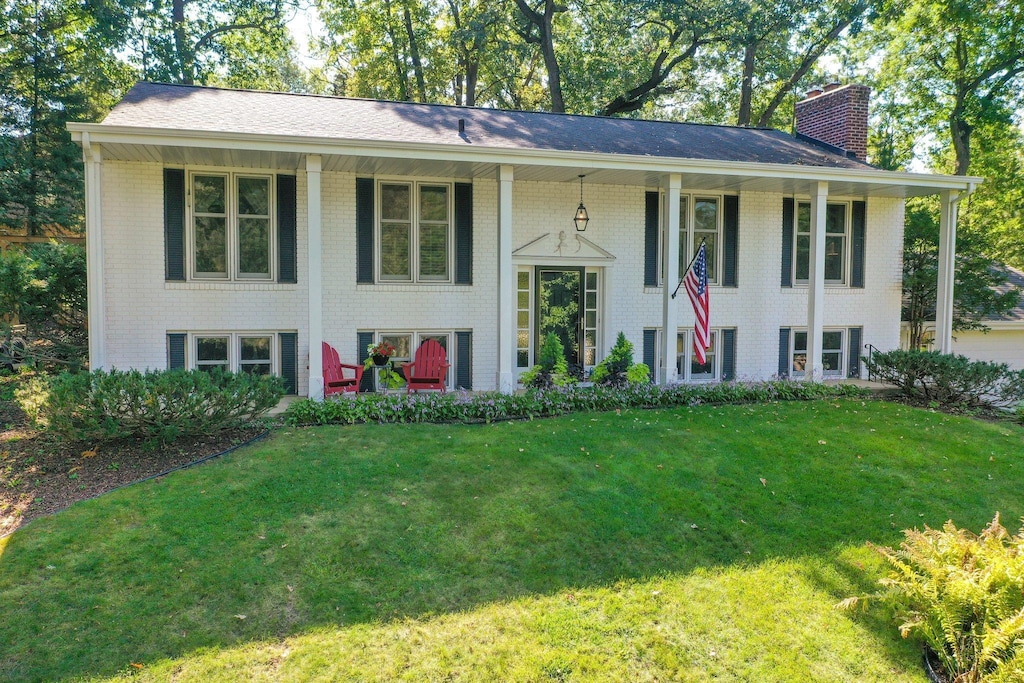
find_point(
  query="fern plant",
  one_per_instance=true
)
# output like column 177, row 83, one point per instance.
column 963, row 595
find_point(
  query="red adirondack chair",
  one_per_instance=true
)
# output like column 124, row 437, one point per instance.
column 335, row 381
column 429, row 368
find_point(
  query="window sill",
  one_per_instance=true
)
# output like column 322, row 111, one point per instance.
column 233, row 286
column 412, row 287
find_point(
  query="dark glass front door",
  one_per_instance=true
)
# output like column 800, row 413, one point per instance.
column 560, row 310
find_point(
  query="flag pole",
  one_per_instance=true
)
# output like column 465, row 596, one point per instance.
column 702, row 240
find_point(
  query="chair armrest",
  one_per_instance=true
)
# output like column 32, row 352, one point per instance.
column 350, row 366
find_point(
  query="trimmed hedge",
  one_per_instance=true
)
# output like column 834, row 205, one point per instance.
column 492, row 406
column 157, row 405
column 948, row 380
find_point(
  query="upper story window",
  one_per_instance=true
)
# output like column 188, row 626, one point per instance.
column 837, row 242
column 700, row 218
column 231, row 229
column 415, row 232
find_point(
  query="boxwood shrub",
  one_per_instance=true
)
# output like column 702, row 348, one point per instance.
column 948, row 380
column 157, row 405
column 493, row 406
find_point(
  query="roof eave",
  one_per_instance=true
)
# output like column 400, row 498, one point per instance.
column 104, row 133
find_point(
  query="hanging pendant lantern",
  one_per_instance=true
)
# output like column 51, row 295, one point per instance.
column 582, row 218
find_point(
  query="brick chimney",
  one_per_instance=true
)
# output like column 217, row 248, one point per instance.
column 837, row 116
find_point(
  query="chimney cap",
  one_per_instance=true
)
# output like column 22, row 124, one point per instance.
column 814, row 92
column 832, row 86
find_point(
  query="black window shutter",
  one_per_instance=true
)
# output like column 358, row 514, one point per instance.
column 463, row 233
column 289, row 342
column 652, row 234
column 859, row 229
column 175, row 351
column 788, row 217
column 853, row 365
column 728, row 354
column 730, row 240
column 364, row 339
column 464, row 360
column 783, row 352
column 650, row 351
column 174, row 224
column 364, row 230
column 287, row 259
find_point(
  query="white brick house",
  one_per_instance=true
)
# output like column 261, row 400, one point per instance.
column 243, row 229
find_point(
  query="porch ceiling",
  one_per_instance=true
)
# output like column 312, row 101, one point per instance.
column 708, row 178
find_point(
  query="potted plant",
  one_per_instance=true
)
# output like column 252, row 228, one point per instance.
column 380, row 352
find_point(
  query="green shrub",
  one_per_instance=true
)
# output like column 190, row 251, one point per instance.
column 491, row 406
column 963, row 596
column 948, row 380
column 618, row 369
column 551, row 369
column 158, row 405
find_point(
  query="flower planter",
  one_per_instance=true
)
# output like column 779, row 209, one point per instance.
column 379, row 361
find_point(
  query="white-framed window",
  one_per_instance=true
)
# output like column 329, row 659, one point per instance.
column 251, row 352
column 414, row 231
column 231, row 225
column 688, row 368
column 701, row 217
column 524, row 318
column 833, row 352
column 837, row 242
column 407, row 341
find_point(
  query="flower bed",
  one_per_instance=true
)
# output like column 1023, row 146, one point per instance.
column 493, row 406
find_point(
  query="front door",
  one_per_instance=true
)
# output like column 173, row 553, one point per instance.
column 559, row 310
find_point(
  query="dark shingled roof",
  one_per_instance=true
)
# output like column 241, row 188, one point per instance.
column 1014, row 278
column 217, row 110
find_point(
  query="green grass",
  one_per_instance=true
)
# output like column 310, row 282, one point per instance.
column 633, row 546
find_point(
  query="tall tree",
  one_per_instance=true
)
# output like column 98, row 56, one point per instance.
column 779, row 43
column 56, row 66
column 974, row 288
column 538, row 28
column 181, row 40
column 959, row 62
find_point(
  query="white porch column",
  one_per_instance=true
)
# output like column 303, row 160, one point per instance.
column 506, row 285
column 315, row 277
column 947, row 271
column 94, row 253
column 671, row 184
column 814, row 371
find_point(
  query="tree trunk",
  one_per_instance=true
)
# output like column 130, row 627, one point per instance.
column 543, row 22
column 472, row 76
column 960, row 131
column 186, row 59
column 747, row 82
column 414, row 52
column 401, row 77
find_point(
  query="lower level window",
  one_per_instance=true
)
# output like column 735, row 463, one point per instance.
column 688, row 366
column 406, row 343
column 832, row 356
column 250, row 352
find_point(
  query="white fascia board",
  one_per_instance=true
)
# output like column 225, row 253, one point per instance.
column 101, row 133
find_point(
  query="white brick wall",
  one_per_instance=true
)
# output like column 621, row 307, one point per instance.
column 141, row 307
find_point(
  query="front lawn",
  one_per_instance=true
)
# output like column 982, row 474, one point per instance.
column 687, row 544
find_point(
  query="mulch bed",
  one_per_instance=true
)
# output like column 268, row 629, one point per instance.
column 40, row 476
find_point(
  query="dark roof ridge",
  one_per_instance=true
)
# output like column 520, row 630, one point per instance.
column 463, row 106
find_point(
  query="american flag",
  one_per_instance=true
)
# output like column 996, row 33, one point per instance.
column 696, row 281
